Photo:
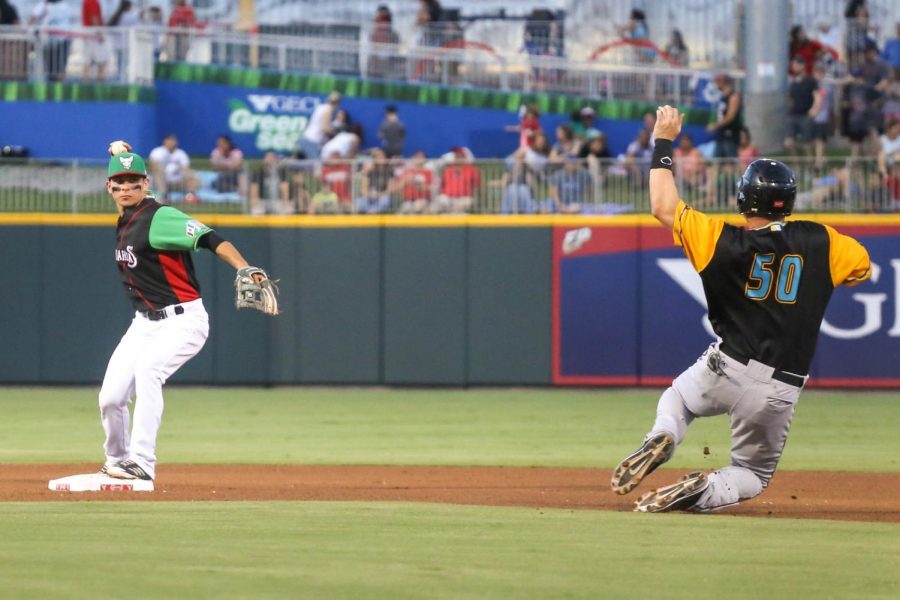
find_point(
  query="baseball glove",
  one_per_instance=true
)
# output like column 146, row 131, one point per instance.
column 255, row 290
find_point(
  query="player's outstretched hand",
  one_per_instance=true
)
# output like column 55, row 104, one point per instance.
column 668, row 123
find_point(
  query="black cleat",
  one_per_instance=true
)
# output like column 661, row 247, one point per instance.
column 128, row 469
column 631, row 471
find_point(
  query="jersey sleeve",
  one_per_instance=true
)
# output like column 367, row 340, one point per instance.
column 849, row 261
column 171, row 229
column 697, row 233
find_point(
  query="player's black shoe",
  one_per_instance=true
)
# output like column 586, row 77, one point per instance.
column 128, row 469
column 681, row 495
column 631, row 471
column 103, row 470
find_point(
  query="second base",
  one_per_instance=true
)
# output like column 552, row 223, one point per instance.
column 95, row 482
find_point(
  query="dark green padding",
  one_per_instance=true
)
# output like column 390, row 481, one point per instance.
column 361, row 305
column 16, row 91
column 509, row 304
column 406, row 92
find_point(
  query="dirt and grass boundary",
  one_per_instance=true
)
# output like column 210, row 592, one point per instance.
column 792, row 494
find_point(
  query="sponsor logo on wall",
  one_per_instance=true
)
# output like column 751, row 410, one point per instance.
column 276, row 120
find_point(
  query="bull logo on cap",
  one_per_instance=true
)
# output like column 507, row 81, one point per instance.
column 126, row 161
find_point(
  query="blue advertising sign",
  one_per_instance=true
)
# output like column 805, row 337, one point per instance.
column 629, row 309
column 260, row 120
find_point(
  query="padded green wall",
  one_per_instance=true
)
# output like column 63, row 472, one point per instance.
column 362, row 305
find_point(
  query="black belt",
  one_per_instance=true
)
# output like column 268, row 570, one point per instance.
column 782, row 376
column 159, row 315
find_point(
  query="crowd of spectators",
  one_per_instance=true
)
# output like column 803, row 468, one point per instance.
column 541, row 175
column 102, row 39
column 567, row 170
column 842, row 88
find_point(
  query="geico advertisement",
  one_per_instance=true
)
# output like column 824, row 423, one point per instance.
column 629, row 309
column 257, row 120
column 275, row 122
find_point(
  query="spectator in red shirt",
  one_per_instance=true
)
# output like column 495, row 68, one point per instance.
column 182, row 17
column 459, row 183
column 96, row 49
column 417, row 183
column 529, row 125
column 337, row 179
column 811, row 50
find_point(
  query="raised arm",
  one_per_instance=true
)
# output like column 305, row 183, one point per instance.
column 663, row 192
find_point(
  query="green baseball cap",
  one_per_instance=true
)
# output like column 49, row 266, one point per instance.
column 127, row 163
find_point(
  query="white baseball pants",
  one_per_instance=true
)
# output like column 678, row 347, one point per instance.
column 147, row 355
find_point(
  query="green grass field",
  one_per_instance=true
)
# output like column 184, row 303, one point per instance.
column 389, row 550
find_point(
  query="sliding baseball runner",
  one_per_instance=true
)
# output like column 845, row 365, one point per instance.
column 170, row 324
column 767, row 286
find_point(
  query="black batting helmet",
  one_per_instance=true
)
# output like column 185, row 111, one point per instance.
column 767, row 188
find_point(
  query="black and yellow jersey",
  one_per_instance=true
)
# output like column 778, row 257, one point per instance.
column 767, row 288
column 153, row 255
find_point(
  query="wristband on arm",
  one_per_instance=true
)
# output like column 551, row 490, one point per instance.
column 662, row 155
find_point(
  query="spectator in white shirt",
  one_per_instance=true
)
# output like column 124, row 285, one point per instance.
column 889, row 149
column 52, row 16
column 121, row 21
column 319, row 129
column 170, row 168
column 345, row 144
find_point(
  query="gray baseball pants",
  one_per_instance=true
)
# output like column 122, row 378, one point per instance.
column 760, row 409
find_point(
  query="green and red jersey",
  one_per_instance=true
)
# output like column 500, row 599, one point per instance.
column 153, row 249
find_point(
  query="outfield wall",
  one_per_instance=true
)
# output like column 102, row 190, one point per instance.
column 471, row 300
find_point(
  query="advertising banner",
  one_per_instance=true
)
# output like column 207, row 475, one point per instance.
column 629, row 309
column 261, row 119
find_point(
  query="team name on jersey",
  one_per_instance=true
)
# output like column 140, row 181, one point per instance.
column 126, row 257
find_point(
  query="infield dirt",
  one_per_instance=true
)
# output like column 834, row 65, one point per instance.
column 799, row 494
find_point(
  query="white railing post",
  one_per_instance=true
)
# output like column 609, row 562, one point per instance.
column 363, row 54
column 849, row 191
column 73, row 185
column 37, row 58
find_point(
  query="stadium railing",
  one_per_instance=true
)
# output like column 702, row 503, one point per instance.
column 36, row 54
column 598, row 187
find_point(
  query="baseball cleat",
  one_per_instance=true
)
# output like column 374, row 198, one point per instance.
column 681, row 495
column 631, row 471
column 128, row 469
column 103, row 470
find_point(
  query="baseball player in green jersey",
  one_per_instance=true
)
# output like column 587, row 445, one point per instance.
column 767, row 287
column 153, row 252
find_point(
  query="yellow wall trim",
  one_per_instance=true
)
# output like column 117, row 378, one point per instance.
column 343, row 221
